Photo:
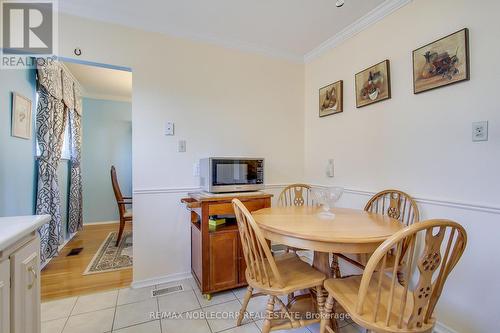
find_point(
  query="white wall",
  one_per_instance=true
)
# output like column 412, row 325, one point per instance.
column 254, row 105
column 223, row 102
column 422, row 143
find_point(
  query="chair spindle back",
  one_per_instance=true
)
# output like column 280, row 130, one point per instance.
column 297, row 195
column 444, row 244
column 261, row 266
column 395, row 204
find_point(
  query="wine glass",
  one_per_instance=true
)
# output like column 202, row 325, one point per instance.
column 327, row 198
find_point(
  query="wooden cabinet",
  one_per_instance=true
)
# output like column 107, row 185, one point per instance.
column 25, row 288
column 20, row 286
column 217, row 261
column 5, row 296
column 242, row 265
column 223, row 266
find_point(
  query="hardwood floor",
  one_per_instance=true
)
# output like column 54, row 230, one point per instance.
column 62, row 277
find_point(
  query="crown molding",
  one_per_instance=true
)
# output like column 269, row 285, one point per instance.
column 79, row 11
column 372, row 17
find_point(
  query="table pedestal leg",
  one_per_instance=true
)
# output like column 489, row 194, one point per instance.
column 321, row 262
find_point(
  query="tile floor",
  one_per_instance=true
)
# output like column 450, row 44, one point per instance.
column 129, row 311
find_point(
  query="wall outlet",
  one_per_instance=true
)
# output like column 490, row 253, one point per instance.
column 169, row 128
column 182, row 146
column 480, row 131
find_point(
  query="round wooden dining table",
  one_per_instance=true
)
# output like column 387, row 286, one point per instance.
column 350, row 231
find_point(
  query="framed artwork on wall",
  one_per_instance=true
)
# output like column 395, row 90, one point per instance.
column 331, row 99
column 442, row 62
column 373, row 84
column 21, row 116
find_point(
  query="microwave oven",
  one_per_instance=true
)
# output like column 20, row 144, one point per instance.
column 231, row 174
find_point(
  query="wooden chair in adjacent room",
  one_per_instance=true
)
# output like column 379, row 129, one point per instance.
column 274, row 276
column 122, row 202
column 393, row 203
column 378, row 303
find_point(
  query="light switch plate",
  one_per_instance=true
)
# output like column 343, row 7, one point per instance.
column 169, row 128
column 480, row 131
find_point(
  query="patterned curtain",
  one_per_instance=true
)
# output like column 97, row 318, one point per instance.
column 51, row 121
column 75, row 222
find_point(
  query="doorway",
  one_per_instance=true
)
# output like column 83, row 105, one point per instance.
column 94, row 259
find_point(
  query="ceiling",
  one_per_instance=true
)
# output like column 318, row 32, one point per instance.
column 102, row 83
column 287, row 28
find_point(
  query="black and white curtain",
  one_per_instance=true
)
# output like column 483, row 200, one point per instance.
column 51, row 121
column 56, row 102
column 75, row 219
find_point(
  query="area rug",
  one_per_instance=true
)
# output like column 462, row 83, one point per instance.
column 110, row 257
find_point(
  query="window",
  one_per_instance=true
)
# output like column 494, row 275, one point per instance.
column 66, row 149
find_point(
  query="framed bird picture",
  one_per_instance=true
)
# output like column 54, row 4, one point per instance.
column 330, row 99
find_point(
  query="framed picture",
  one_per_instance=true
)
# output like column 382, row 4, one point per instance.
column 443, row 62
column 373, row 84
column 331, row 99
column 21, row 116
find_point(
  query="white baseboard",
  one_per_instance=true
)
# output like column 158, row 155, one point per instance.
column 161, row 279
column 103, row 222
column 442, row 328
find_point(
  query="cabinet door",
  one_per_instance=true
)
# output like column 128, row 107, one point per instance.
column 196, row 253
column 5, row 296
column 25, row 306
column 223, row 260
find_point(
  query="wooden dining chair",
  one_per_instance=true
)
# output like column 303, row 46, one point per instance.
column 396, row 204
column 377, row 302
column 273, row 276
column 122, row 202
column 393, row 203
column 297, row 195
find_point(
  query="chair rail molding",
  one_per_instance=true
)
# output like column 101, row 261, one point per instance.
column 442, row 328
column 185, row 189
column 479, row 207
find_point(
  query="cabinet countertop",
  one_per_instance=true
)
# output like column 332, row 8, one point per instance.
column 14, row 228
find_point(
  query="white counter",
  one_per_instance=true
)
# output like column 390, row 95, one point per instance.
column 15, row 228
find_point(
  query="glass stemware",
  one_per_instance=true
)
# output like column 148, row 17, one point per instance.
column 327, row 198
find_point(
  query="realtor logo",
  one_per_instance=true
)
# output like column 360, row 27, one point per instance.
column 28, row 30
column 27, row 27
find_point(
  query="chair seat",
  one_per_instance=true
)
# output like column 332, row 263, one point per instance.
column 296, row 275
column 128, row 213
column 345, row 292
